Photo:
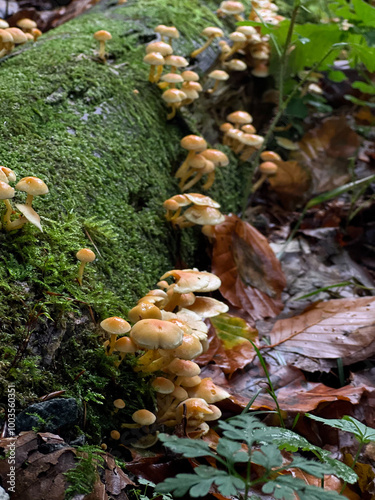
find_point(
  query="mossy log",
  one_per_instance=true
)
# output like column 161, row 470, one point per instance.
column 97, row 135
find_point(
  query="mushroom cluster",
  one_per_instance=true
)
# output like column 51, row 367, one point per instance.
column 200, row 161
column 10, row 37
column 168, row 326
column 203, row 211
column 33, row 186
column 179, row 89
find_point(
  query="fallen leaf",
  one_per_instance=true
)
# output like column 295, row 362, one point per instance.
column 291, row 182
column 324, row 151
column 342, row 328
column 251, row 276
column 229, row 345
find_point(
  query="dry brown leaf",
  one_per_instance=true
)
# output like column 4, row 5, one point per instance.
column 251, row 276
column 325, row 150
column 343, row 328
column 290, row 181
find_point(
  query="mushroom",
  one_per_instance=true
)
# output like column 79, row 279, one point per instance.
column 114, row 326
column 84, row 255
column 233, row 9
column 6, row 193
column 162, row 48
column 174, row 204
column 18, row 36
column 176, row 62
column 210, row 33
column 6, row 42
column 219, row 76
column 143, row 417
column 266, row 169
column 33, row 186
column 26, row 25
column 3, row 24
column 119, row 404
column 173, row 97
column 209, row 168
column 36, row 34
column 236, row 65
column 102, row 36
column 153, row 59
column 219, row 159
column 269, row 156
column 169, row 81
column 239, row 41
column 194, row 144
column 124, row 345
column 239, row 118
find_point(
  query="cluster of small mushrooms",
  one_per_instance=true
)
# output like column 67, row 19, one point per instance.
column 33, row 186
column 169, row 331
column 10, row 37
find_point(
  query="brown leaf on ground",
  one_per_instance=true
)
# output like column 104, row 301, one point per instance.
column 291, row 181
column 342, row 328
column 251, row 276
column 324, row 151
column 229, row 345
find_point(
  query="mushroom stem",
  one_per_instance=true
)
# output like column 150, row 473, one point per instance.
column 214, row 88
column 236, row 46
column 151, row 75
column 259, row 182
column 159, row 72
column 172, row 114
column 145, row 360
column 102, row 50
column 184, row 167
column 80, row 272
column 29, row 200
column 197, row 177
column 209, row 181
column 158, row 364
column 113, row 338
column 8, row 213
column 196, row 52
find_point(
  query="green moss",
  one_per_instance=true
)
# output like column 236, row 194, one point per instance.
column 97, row 135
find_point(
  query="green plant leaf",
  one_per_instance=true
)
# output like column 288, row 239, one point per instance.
column 359, row 102
column 199, row 483
column 360, row 431
column 284, row 487
column 336, row 76
column 242, row 428
column 316, row 469
column 190, row 448
column 268, row 456
column 366, row 88
column 230, row 450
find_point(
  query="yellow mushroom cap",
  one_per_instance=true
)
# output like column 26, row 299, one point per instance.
column 171, row 32
column 236, row 65
column 115, row 325
column 172, row 96
column 144, row 310
column 125, row 344
column 240, row 117
column 207, row 307
column 154, row 59
column 26, row 24
column 180, row 393
column 212, row 31
column 231, row 7
column 85, row 255
column 216, row 414
column 115, row 435
column 17, row 35
column 102, row 35
column 247, row 30
column 6, row 36
column 192, row 85
column 204, row 216
column 172, row 78
column 184, row 368
column 32, row 185
column 3, row 24
column 270, row 156
column 218, row 74
column 119, row 403
column 163, row 385
column 177, row 61
column 163, row 48
column 268, row 168
column 192, row 280
column 156, row 334
column 237, row 36
column 248, row 129
column 190, row 381
column 143, row 417
column 6, row 191
column 189, row 349
column 218, row 158
column 208, row 391
column 190, row 76
column 9, row 174
column 193, row 143
column 194, row 408
column 30, row 215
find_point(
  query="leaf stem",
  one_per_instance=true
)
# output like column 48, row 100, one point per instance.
column 284, row 54
column 361, row 445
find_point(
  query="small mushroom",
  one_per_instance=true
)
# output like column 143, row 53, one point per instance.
column 84, row 255
column 239, row 41
column 266, row 169
column 219, row 76
column 232, row 8
column 154, row 59
column 194, row 144
column 6, row 193
column 26, row 25
column 102, row 36
column 210, row 33
column 114, row 326
column 33, row 186
column 173, row 98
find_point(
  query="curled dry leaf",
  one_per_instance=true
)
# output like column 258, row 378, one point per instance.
column 251, row 276
column 229, row 343
column 343, row 328
column 291, row 181
column 325, row 150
